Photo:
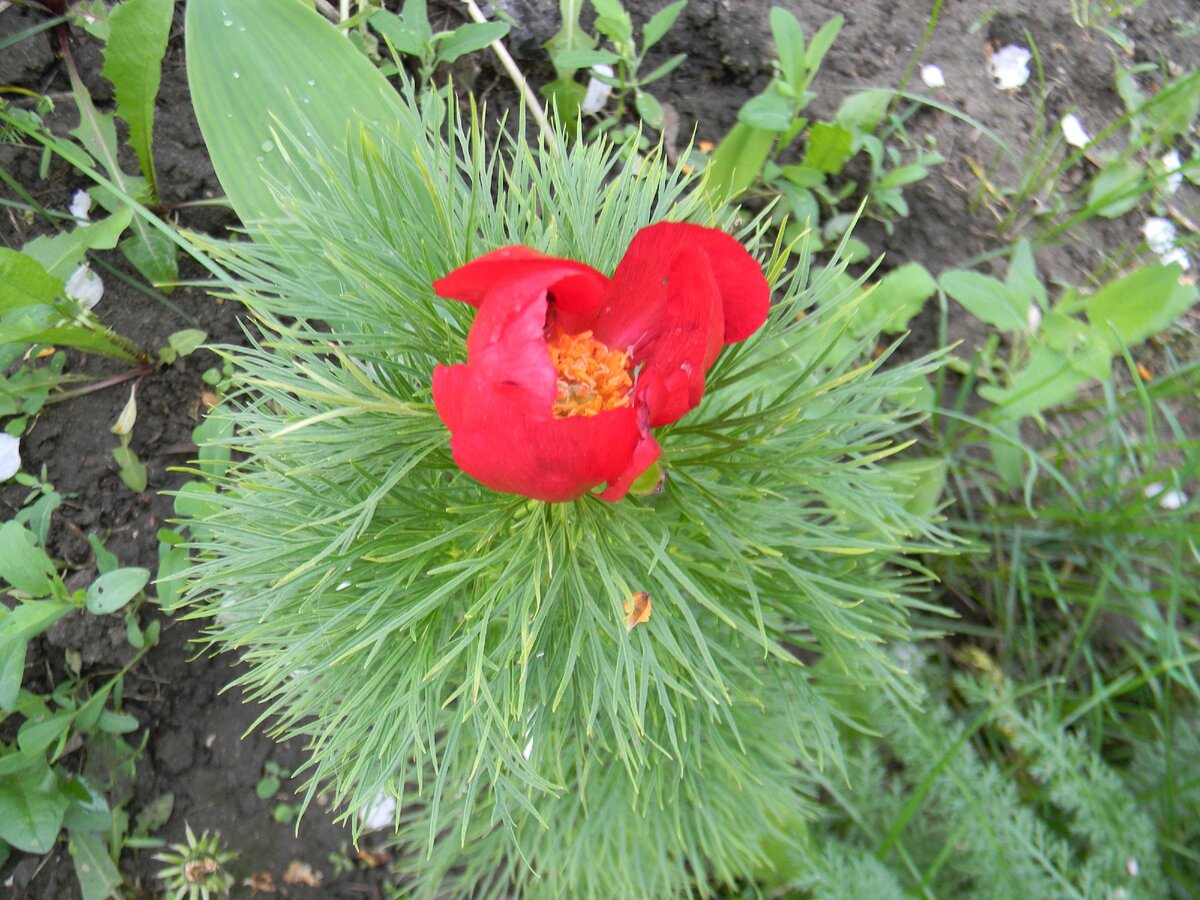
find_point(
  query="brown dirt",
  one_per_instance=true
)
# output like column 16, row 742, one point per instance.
column 201, row 745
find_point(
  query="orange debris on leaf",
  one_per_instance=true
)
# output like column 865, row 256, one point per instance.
column 637, row 609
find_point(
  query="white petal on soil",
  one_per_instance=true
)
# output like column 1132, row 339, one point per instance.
column 10, row 456
column 81, row 204
column 128, row 416
column 1009, row 67
column 597, row 91
column 85, row 286
column 1160, row 238
column 1034, row 317
column 933, row 76
column 1174, row 166
column 379, row 814
column 1073, row 131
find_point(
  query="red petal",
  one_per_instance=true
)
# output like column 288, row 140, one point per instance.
column 576, row 287
column 644, row 455
column 507, row 448
column 633, row 309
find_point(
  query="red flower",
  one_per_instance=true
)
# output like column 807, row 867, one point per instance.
column 568, row 371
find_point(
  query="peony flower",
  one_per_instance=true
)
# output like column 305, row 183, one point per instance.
column 568, row 371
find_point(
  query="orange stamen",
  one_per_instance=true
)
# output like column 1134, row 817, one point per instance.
column 592, row 377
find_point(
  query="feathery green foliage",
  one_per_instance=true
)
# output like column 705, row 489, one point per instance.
column 466, row 651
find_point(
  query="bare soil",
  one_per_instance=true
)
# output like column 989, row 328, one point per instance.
column 202, row 742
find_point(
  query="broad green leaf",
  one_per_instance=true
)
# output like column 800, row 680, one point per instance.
column 23, row 565
column 648, row 109
column 32, row 805
column 571, row 36
column 88, row 814
column 469, row 38
column 137, row 42
column 897, row 297
column 803, row 176
column 660, row 23
column 172, row 563
column 153, row 254
column 62, row 253
column 1047, row 380
column 404, row 35
column 789, row 45
column 1117, row 189
column 987, row 299
column 98, row 876
column 1140, row 305
column 186, row 342
column 769, row 111
column 110, row 592
column 154, row 815
column 829, row 146
column 255, row 80
column 133, row 470
column 862, row 112
column 583, row 58
column 737, row 161
column 613, row 22
column 24, row 281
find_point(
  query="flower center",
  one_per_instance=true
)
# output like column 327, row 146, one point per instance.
column 592, row 377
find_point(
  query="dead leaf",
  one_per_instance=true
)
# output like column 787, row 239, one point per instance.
column 373, row 858
column 261, row 883
column 209, row 398
column 637, row 608
column 302, row 873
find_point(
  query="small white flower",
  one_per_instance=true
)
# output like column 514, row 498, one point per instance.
column 10, row 456
column 1174, row 166
column 1009, row 67
column 81, row 204
column 933, row 76
column 128, row 416
column 1160, row 238
column 1131, row 866
column 1034, row 317
column 597, row 91
column 380, row 814
column 85, row 286
column 1074, row 132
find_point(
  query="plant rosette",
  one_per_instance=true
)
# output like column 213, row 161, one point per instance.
column 433, row 547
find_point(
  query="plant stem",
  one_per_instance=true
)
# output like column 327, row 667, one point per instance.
column 139, row 371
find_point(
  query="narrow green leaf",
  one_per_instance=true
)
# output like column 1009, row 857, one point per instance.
column 98, row 876
column 24, row 281
column 789, row 45
column 737, row 161
column 137, row 42
column 1117, row 189
column 660, row 23
column 117, row 723
column 95, row 339
column 110, row 592
column 254, row 79
column 35, row 737
column 12, row 669
column 1022, row 274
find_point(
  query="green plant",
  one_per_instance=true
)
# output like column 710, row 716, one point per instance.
column 469, row 653
column 814, row 188
column 39, row 796
column 411, row 34
column 196, row 868
column 572, row 49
